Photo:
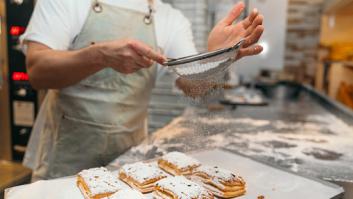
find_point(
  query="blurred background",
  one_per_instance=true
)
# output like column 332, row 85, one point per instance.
column 305, row 41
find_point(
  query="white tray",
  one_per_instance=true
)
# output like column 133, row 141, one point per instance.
column 261, row 180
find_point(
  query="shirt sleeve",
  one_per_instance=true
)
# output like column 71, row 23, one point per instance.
column 54, row 23
column 180, row 42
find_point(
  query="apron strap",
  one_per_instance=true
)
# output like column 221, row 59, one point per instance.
column 97, row 7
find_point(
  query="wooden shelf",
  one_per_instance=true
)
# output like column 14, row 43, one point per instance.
column 329, row 77
column 13, row 174
column 349, row 65
column 340, row 7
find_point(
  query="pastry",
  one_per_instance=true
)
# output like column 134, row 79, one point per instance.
column 181, row 188
column 97, row 183
column 141, row 176
column 222, row 183
column 177, row 163
column 127, row 194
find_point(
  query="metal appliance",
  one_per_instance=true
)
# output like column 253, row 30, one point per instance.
column 19, row 102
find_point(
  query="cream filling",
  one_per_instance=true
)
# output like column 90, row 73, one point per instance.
column 227, row 194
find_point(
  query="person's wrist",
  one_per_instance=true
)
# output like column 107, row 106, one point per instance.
column 97, row 56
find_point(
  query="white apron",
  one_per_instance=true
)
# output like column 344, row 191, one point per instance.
column 91, row 123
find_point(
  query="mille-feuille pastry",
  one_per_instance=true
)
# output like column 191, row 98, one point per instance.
column 222, row 183
column 179, row 187
column 177, row 163
column 141, row 176
column 127, row 194
column 97, row 183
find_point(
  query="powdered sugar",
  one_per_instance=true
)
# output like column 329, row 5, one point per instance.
column 100, row 181
column 218, row 174
column 181, row 160
column 298, row 142
column 221, row 120
column 127, row 194
column 183, row 188
column 142, row 172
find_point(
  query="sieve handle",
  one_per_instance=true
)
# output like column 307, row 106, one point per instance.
column 197, row 57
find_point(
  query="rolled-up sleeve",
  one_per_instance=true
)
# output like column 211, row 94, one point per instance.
column 52, row 24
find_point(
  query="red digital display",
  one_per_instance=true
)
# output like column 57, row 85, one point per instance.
column 17, row 30
column 20, row 76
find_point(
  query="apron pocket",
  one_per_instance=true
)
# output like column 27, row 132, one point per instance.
column 103, row 79
column 85, row 144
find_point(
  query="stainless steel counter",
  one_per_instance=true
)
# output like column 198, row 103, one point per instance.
column 300, row 131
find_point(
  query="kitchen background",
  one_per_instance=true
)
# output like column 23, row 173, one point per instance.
column 308, row 41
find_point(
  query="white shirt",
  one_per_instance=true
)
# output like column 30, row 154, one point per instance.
column 55, row 23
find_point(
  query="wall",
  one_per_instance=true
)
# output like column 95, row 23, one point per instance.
column 273, row 39
column 341, row 29
column 219, row 9
column 302, row 40
column 197, row 12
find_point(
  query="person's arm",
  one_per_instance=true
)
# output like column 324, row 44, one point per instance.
column 54, row 69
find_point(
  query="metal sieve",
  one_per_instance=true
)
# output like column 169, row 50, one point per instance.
column 205, row 65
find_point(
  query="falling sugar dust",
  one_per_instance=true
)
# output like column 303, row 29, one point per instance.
column 204, row 94
column 296, row 145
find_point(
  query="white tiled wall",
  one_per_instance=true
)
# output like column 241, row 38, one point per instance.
column 203, row 14
column 221, row 8
column 197, row 12
column 303, row 30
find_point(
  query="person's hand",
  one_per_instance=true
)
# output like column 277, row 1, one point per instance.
column 128, row 56
column 225, row 34
column 195, row 88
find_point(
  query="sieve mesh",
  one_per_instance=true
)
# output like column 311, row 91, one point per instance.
column 207, row 65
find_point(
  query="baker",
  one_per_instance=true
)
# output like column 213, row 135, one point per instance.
column 98, row 60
